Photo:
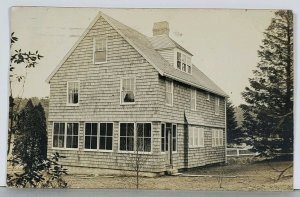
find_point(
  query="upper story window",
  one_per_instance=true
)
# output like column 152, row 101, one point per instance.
column 193, row 99
column 73, row 92
column 217, row 105
column 100, row 50
column 128, row 90
column 169, row 92
column 183, row 62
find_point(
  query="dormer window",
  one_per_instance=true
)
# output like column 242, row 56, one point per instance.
column 99, row 50
column 183, row 62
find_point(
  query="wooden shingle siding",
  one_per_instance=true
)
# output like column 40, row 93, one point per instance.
column 168, row 54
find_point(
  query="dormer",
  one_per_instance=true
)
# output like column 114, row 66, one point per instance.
column 170, row 50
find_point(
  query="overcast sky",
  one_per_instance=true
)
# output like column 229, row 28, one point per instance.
column 224, row 42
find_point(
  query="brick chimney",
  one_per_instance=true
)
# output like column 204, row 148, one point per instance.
column 161, row 28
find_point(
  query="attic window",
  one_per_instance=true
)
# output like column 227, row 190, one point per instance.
column 100, row 50
column 183, row 62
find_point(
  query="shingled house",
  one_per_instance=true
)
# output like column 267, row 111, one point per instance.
column 118, row 91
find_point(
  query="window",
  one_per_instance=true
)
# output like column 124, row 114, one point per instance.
column 59, row 135
column 99, row 50
column 65, row 136
column 73, row 93
column 179, row 60
column 143, row 137
column 126, row 136
column 189, row 65
column 217, row 137
column 183, row 62
column 168, row 132
column 217, row 105
column 169, row 92
column 98, row 136
column 196, row 137
column 91, row 135
column 128, row 91
column 135, row 138
column 72, row 135
column 193, row 99
column 208, row 96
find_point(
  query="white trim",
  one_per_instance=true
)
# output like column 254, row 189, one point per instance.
column 73, row 104
column 194, row 93
column 217, row 106
column 172, row 92
column 134, row 91
column 65, row 136
column 94, row 48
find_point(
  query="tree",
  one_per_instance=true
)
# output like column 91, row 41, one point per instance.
column 30, row 145
column 268, row 112
column 233, row 131
column 19, row 58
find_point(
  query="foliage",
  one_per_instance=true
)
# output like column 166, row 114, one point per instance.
column 45, row 174
column 233, row 131
column 268, row 112
column 30, row 145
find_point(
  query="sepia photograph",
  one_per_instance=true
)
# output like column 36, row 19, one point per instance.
column 164, row 99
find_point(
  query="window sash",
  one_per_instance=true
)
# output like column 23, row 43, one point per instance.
column 217, row 137
column 73, row 92
column 169, row 92
column 67, row 137
column 179, row 60
column 100, row 49
column 217, row 105
column 128, row 90
column 193, row 99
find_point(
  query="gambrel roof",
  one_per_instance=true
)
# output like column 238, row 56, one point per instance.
column 146, row 47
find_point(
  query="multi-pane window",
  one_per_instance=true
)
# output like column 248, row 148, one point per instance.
column 168, row 134
column 217, row 137
column 99, row 50
column 143, row 137
column 179, row 60
column 128, row 90
column 91, row 135
column 126, row 136
column 59, row 135
column 73, row 92
column 217, row 105
column 183, row 62
column 196, row 137
column 169, row 92
column 193, row 99
column 65, row 135
column 72, row 135
column 98, row 136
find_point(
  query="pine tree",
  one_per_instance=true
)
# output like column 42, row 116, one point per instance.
column 268, row 114
column 233, row 131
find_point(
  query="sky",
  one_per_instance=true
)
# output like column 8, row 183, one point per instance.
column 224, row 42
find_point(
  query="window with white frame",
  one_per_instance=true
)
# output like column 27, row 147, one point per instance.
column 73, row 92
column 65, row 135
column 100, row 50
column 217, row 105
column 98, row 136
column 143, row 137
column 193, row 99
column 126, row 136
column 169, row 92
column 91, row 136
column 135, row 137
column 183, row 62
column 217, row 137
column 196, row 137
column 128, row 90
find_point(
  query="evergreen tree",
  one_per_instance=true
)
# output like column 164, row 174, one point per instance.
column 268, row 112
column 233, row 131
column 30, row 146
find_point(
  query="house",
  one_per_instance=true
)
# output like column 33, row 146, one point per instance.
column 118, row 91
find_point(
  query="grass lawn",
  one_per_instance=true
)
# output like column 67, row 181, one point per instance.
column 257, row 176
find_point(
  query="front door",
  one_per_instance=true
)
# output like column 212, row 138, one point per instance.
column 167, row 142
